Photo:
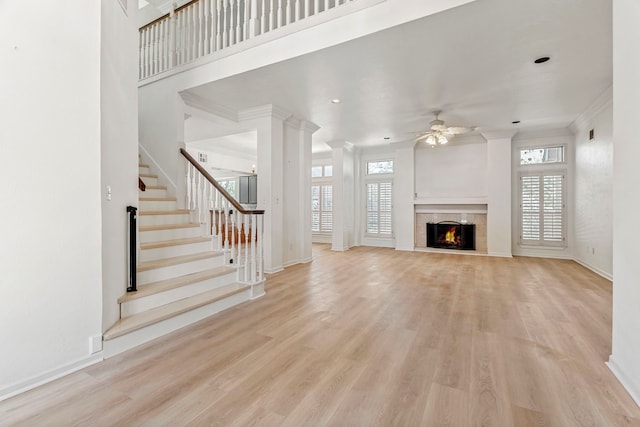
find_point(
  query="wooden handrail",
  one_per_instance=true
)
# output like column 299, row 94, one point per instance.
column 166, row 15
column 218, row 187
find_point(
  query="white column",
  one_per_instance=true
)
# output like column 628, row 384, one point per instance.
column 403, row 195
column 268, row 121
column 626, row 205
column 343, row 194
column 297, row 191
column 499, row 192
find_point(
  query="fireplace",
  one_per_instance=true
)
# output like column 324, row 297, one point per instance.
column 451, row 235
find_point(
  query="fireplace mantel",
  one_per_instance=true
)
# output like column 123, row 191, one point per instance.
column 450, row 201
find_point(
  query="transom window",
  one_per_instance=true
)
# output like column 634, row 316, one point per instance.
column 544, row 155
column 321, row 171
column 379, row 167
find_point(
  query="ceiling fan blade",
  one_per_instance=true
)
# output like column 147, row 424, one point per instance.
column 423, row 137
column 457, row 130
column 439, row 127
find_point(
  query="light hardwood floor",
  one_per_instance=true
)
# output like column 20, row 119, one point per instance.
column 369, row 337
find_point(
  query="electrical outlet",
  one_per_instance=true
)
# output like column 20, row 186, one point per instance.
column 108, row 192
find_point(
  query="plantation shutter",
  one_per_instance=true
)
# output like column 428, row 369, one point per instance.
column 542, row 209
column 327, row 208
column 379, row 208
column 315, row 208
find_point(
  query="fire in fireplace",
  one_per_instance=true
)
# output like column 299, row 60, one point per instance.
column 451, row 235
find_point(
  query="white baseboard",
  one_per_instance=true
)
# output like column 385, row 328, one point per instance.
column 500, row 254
column 632, row 389
column 596, row 270
column 53, row 374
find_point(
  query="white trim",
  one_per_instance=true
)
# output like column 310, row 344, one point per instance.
column 500, row 254
column 273, row 270
column 159, row 170
column 51, row 375
column 199, row 103
column 624, row 379
column 596, row 270
column 603, row 101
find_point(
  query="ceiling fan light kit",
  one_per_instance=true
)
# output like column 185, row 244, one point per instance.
column 438, row 131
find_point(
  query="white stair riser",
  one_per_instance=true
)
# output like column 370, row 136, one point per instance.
column 171, row 251
column 139, row 305
column 163, row 219
column 149, row 181
column 146, row 205
column 146, row 334
column 169, row 234
column 143, row 170
column 176, row 270
column 153, row 192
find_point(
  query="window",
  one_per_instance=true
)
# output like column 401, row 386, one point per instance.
column 378, row 167
column 379, row 205
column 321, row 208
column 542, row 209
column 533, row 156
column 320, row 171
column 229, row 185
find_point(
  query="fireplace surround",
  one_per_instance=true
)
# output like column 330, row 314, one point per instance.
column 451, row 235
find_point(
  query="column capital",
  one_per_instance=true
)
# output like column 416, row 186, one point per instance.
column 340, row 143
column 269, row 110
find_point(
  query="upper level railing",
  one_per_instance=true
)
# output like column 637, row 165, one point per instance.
column 238, row 230
column 202, row 27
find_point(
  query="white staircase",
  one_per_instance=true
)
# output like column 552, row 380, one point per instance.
column 181, row 277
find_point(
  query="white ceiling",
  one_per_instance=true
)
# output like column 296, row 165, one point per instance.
column 474, row 62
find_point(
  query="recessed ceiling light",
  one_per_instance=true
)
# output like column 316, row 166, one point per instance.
column 515, row 122
column 387, row 137
column 336, row 101
column 542, row 60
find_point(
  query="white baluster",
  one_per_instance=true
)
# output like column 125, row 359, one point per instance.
column 260, row 248
column 172, row 39
column 289, row 7
column 156, row 48
column 226, row 227
column 326, row 5
column 253, row 248
column 232, row 24
column 247, row 227
column 296, row 10
column 280, row 12
column 147, row 41
column 225, row 23
column 219, row 222
column 316, row 6
column 201, row 28
column 239, row 221
column 188, row 179
column 272, row 15
column 161, row 25
column 307, row 6
column 263, row 17
column 253, row 22
column 219, row 25
column 238, row 22
column 140, row 53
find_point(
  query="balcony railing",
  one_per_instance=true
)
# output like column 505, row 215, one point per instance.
column 203, row 27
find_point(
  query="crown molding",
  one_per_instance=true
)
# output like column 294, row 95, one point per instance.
column 204, row 104
column 498, row 134
column 340, row 143
column 268, row 110
column 601, row 103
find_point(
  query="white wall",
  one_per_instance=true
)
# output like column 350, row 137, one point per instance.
column 624, row 360
column 50, row 250
column 119, row 148
column 593, row 219
column 223, row 161
column 458, row 171
column 553, row 137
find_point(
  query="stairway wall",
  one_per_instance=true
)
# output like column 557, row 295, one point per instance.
column 118, row 150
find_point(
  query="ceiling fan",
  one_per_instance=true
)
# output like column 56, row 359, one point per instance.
column 438, row 131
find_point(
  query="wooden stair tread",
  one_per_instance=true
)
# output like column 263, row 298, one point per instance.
column 165, row 262
column 175, row 242
column 155, row 187
column 143, row 165
column 167, row 226
column 168, row 212
column 175, row 282
column 147, row 175
column 149, row 317
column 157, row 199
